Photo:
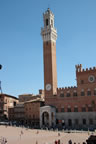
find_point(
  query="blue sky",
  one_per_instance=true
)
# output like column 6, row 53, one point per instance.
column 21, row 45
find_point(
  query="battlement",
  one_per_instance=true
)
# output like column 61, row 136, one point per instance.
column 78, row 67
column 66, row 88
column 80, row 70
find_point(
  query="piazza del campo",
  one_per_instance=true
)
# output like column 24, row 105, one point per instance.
column 66, row 108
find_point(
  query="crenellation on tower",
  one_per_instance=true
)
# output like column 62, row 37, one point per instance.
column 67, row 88
column 78, row 68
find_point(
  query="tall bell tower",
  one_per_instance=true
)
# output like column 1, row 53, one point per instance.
column 49, row 35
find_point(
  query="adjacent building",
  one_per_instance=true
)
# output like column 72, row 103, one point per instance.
column 27, row 110
column 17, row 113
column 28, row 97
column 6, row 101
column 32, row 112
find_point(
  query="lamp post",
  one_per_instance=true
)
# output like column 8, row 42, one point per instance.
column 0, row 66
column 0, row 81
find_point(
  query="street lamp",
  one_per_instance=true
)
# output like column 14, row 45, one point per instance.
column 0, row 81
column 0, row 66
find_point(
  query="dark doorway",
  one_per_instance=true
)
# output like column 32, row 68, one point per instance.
column 45, row 119
column 69, row 122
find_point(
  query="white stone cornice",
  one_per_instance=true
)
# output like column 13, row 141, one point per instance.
column 49, row 34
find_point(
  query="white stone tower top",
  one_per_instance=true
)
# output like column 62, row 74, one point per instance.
column 49, row 32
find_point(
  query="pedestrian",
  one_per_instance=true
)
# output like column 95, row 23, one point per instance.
column 21, row 132
column 5, row 141
column 37, row 132
column 56, row 142
column 36, row 142
column 20, row 136
column 70, row 142
column 59, row 141
column 58, row 134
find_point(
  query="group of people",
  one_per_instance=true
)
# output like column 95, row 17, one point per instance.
column 3, row 140
column 69, row 142
column 59, row 142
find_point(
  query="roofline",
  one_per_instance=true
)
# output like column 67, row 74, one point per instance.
column 9, row 96
column 35, row 100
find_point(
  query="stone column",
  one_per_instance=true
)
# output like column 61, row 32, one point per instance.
column 50, row 123
column 40, row 118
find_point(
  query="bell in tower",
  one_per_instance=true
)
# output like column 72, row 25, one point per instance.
column 48, row 19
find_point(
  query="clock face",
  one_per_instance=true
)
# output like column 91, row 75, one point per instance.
column 48, row 87
column 91, row 78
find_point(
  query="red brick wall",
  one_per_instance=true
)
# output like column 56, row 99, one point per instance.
column 79, row 101
column 32, row 110
column 50, row 72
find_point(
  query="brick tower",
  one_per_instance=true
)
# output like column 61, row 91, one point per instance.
column 49, row 35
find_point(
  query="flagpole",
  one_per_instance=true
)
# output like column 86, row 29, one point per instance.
column 0, row 81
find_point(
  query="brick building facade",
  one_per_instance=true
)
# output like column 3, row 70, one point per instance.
column 6, row 101
column 75, row 107
column 32, row 111
column 27, row 109
column 28, row 97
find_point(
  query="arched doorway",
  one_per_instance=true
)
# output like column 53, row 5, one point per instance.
column 47, row 116
column 45, row 119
